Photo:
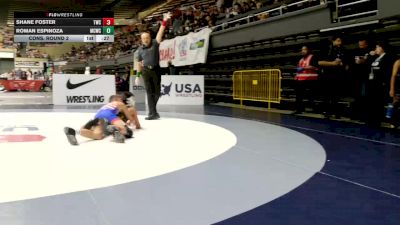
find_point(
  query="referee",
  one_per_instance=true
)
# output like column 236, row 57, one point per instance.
column 148, row 57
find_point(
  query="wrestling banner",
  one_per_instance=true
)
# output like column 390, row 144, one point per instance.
column 185, row 50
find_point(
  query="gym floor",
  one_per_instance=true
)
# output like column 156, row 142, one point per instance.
column 196, row 165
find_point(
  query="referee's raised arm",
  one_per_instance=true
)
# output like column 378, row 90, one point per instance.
column 160, row 32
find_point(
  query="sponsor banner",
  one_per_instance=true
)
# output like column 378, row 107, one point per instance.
column 23, row 85
column 138, row 90
column 167, row 52
column 27, row 64
column 79, row 89
column 60, row 63
column 182, row 90
column 185, row 50
column 30, row 63
column 6, row 55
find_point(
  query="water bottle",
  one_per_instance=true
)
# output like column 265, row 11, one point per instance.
column 389, row 111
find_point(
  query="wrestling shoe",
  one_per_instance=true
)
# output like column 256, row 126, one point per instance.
column 129, row 132
column 110, row 129
column 118, row 137
column 71, row 135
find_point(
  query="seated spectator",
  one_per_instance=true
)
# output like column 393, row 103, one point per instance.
column 177, row 24
column 98, row 70
column 236, row 10
column 186, row 19
column 210, row 22
column 253, row 4
column 245, row 7
column 220, row 4
column 262, row 16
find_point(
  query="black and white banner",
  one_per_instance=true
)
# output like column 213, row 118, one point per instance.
column 79, row 89
column 182, row 90
column 185, row 50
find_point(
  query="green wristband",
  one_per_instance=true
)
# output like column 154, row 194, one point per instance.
column 138, row 74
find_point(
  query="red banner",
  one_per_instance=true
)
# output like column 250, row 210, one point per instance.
column 23, row 85
column 21, row 138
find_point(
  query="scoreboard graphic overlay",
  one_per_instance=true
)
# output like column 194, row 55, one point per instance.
column 64, row 26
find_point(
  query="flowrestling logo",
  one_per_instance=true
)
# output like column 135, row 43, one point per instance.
column 76, row 85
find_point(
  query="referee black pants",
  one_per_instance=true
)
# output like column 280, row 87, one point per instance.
column 152, row 82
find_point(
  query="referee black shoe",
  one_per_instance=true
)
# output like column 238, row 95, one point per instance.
column 153, row 117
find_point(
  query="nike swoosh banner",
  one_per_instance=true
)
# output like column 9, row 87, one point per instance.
column 79, row 89
column 76, row 85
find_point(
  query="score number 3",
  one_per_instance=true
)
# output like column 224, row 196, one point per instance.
column 108, row 21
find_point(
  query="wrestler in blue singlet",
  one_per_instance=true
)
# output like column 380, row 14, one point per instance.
column 108, row 112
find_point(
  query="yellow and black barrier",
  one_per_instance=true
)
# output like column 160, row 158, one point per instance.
column 257, row 85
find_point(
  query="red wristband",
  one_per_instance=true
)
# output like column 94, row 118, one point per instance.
column 164, row 23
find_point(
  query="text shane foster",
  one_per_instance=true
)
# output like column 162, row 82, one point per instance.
column 35, row 22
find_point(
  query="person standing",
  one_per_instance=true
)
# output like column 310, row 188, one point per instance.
column 395, row 94
column 307, row 75
column 378, row 87
column 18, row 74
column 29, row 75
column 360, row 72
column 148, row 57
column 333, row 77
column 99, row 71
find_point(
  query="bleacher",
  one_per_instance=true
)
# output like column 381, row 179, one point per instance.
column 281, row 53
column 173, row 5
column 277, row 50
